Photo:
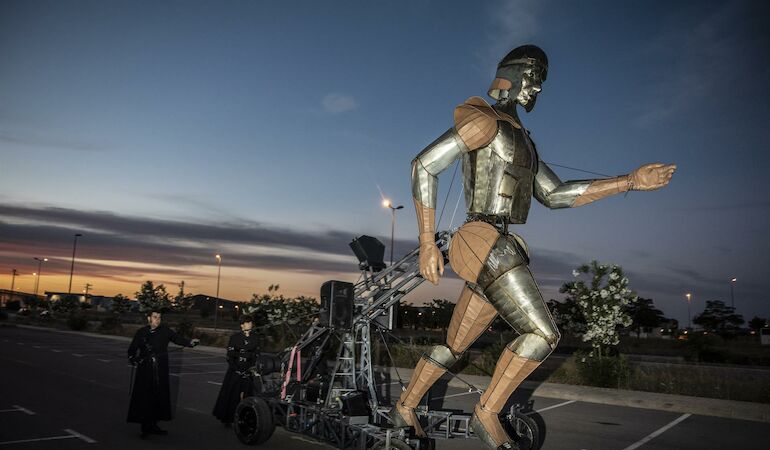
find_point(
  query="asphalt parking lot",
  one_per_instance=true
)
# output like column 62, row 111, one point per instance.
column 69, row 391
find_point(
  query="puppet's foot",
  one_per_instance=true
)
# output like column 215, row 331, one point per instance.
column 402, row 417
column 487, row 426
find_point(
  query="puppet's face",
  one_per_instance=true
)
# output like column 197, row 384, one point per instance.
column 531, row 85
column 246, row 327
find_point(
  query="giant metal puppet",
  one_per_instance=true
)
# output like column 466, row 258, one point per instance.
column 501, row 172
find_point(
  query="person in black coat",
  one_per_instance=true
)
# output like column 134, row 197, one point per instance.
column 150, row 394
column 242, row 355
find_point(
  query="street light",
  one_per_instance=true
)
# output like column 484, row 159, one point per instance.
column 39, row 272
column 386, row 203
column 72, row 266
column 216, row 304
column 14, row 272
column 732, row 291
column 689, row 300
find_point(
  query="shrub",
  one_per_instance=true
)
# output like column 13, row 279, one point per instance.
column 110, row 323
column 602, row 371
column 185, row 328
column 77, row 322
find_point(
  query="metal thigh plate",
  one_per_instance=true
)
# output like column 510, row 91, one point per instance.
column 517, row 299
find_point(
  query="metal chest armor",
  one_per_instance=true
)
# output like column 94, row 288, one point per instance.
column 498, row 178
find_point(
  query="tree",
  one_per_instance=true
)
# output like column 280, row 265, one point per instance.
column 120, row 304
column 68, row 303
column 568, row 315
column 644, row 315
column 153, row 297
column 602, row 304
column 441, row 311
column 719, row 318
column 757, row 323
column 183, row 301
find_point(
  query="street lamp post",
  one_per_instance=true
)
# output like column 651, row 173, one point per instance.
column 393, row 210
column 732, row 292
column 40, row 262
column 216, row 304
column 689, row 299
column 14, row 272
column 72, row 266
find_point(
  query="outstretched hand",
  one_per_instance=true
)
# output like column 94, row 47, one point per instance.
column 651, row 176
column 431, row 262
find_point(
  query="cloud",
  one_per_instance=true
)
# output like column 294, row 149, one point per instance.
column 339, row 103
column 513, row 23
column 110, row 237
column 36, row 141
column 705, row 62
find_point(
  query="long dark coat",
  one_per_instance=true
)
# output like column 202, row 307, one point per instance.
column 242, row 353
column 150, row 396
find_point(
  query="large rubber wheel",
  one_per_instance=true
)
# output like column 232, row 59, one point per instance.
column 523, row 430
column 253, row 421
column 395, row 444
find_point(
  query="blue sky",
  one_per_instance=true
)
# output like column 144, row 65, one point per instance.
column 166, row 132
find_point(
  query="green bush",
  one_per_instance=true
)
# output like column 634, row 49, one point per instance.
column 185, row 328
column 605, row 371
column 110, row 323
column 77, row 322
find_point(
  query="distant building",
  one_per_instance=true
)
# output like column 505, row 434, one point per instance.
column 17, row 299
column 205, row 305
column 58, row 296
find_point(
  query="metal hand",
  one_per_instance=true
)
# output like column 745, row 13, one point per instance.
column 431, row 262
column 651, row 176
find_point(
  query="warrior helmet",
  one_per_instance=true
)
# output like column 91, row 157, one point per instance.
column 509, row 69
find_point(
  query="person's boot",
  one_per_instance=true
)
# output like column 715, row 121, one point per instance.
column 402, row 414
column 155, row 429
column 146, row 427
column 510, row 371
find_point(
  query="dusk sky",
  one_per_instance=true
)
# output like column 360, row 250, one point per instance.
column 269, row 132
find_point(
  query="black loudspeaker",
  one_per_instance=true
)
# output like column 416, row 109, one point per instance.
column 388, row 319
column 370, row 253
column 356, row 403
column 336, row 304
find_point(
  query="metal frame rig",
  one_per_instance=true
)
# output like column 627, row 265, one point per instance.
column 345, row 410
column 373, row 297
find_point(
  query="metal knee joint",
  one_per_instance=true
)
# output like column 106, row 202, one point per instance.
column 443, row 356
column 533, row 346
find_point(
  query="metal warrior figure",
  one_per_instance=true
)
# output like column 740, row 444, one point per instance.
column 501, row 172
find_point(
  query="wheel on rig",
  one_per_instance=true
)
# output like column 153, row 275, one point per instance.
column 395, row 444
column 523, row 430
column 253, row 422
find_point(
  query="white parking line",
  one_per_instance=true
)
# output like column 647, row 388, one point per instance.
column 214, row 382
column 19, row 343
column 221, row 363
column 657, row 432
column 17, row 408
column 104, row 360
column 196, row 373
column 554, row 406
column 80, row 436
column 55, row 351
column 38, row 346
column 71, row 434
column 78, row 355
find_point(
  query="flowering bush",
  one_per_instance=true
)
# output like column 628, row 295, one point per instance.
column 278, row 310
column 596, row 308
